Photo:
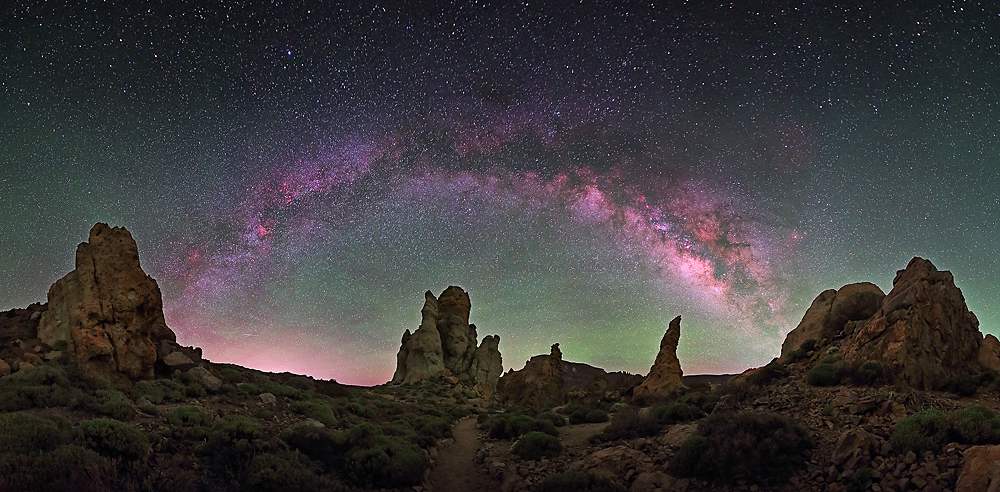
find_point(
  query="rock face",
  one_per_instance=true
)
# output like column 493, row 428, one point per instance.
column 989, row 353
column 107, row 312
column 831, row 311
column 923, row 331
column 538, row 385
column 665, row 376
column 445, row 345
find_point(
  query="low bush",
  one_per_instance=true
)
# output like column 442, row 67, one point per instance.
column 315, row 409
column 677, row 412
column 746, row 445
column 596, row 416
column 375, row 460
column 537, row 445
column 964, row 384
column 822, row 375
column 318, row 443
column 116, row 405
column 159, row 390
column 557, row 420
column 577, row 482
column 188, row 422
column 705, row 401
column 67, row 467
column 280, row 472
column 41, row 387
column 514, row 425
column 577, row 417
column 930, row 429
column 923, row 431
column 112, row 438
column 763, row 376
column 23, row 433
column 231, row 444
column 630, row 423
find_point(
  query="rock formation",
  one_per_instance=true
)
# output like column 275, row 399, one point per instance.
column 831, row 311
column 923, row 331
column 665, row 376
column 445, row 345
column 107, row 313
column 538, row 385
column 989, row 353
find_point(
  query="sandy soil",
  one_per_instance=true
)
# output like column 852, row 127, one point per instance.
column 456, row 470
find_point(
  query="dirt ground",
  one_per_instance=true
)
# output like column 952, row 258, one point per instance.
column 456, row 469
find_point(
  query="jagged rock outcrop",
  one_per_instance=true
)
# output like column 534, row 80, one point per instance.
column 665, row 376
column 989, row 353
column 831, row 312
column 107, row 312
column 445, row 345
column 538, row 385
column 923, row 331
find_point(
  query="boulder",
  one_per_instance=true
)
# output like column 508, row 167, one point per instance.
column 107, row 311
column 922, row 333
column 981, row 471
column 4, row 368
column 665, row 376
column 444, row 345
column 832, row 311
column 206, row 379
column 538, row 385
column 177, row 361
column 989, row 353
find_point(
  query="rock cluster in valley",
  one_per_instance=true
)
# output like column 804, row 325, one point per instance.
column 444, row 346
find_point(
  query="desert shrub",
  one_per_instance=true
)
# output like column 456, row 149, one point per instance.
column 112, row 438
column 249, row 389
column 577, row 482
column 376, row 460
column 360, row 410
column 677, row 412
column 630, row 423
column 318, row 443
column 964, row 384
column 763, row 376
column 923, row 431
column 116, row 405
column 596, row 416
column 537, row 445
column 557, row 420
column 231, row 444
column 429, row 429
column 43, row 386
column 704, row 401
column 23, row 433
column 67, row 467
column 194, row 389
column 280, row 472
column 303, row 383
column 159, row 390
column 315, row 409
column 231, row 375
column 512, row 426
column 577, row 417
column 809, row 345
column 188, row 422
column 869, row 373
column 739, row 389
column 973, row 425
column 987, row 375
column 827, row 410
column 746, row 445
column 822, row 375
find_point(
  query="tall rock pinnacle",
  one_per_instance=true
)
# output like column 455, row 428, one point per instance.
column 665, row 376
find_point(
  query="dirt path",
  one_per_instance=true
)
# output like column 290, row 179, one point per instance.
column 456, row 470
column 574, row 437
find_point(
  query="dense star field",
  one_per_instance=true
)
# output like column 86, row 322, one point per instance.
column 297, row 174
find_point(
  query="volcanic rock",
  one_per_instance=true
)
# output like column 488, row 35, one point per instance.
column 923, row 332
column 538, row 385
column 107, row 311
column 989, row 353
column 981, row 471
column 445, row 345
column 831, row 311
column 665, row 376
column 4, row 368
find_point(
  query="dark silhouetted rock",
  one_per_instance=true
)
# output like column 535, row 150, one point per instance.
column 538, row 385
column 831, row 311
column 923, row 332
column 665, row 376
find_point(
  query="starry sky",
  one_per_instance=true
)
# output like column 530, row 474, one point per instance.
column 297, row 173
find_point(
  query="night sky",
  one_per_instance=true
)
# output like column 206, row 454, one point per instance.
column 297, row 174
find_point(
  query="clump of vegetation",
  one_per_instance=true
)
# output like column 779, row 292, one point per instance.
column 704, row 401
column 374, row 459
column 763, row 376
column 803, row 351
column 112, row 439
column 930, row 429
column 41, row 387
column 188, row 422
column 537, row 445
column 578, row 482
column 630, row 423
column 231, row 443
column 746, row 445
column 822, row 375
column 315, row 409
column 116, row 405
column 159, row 390
column 557, row 420
column 23, row 433
column 279, row 472
column 596, row 416
column 516, row 424
column 678, row 412
column 833, row 371
column 67, row 467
